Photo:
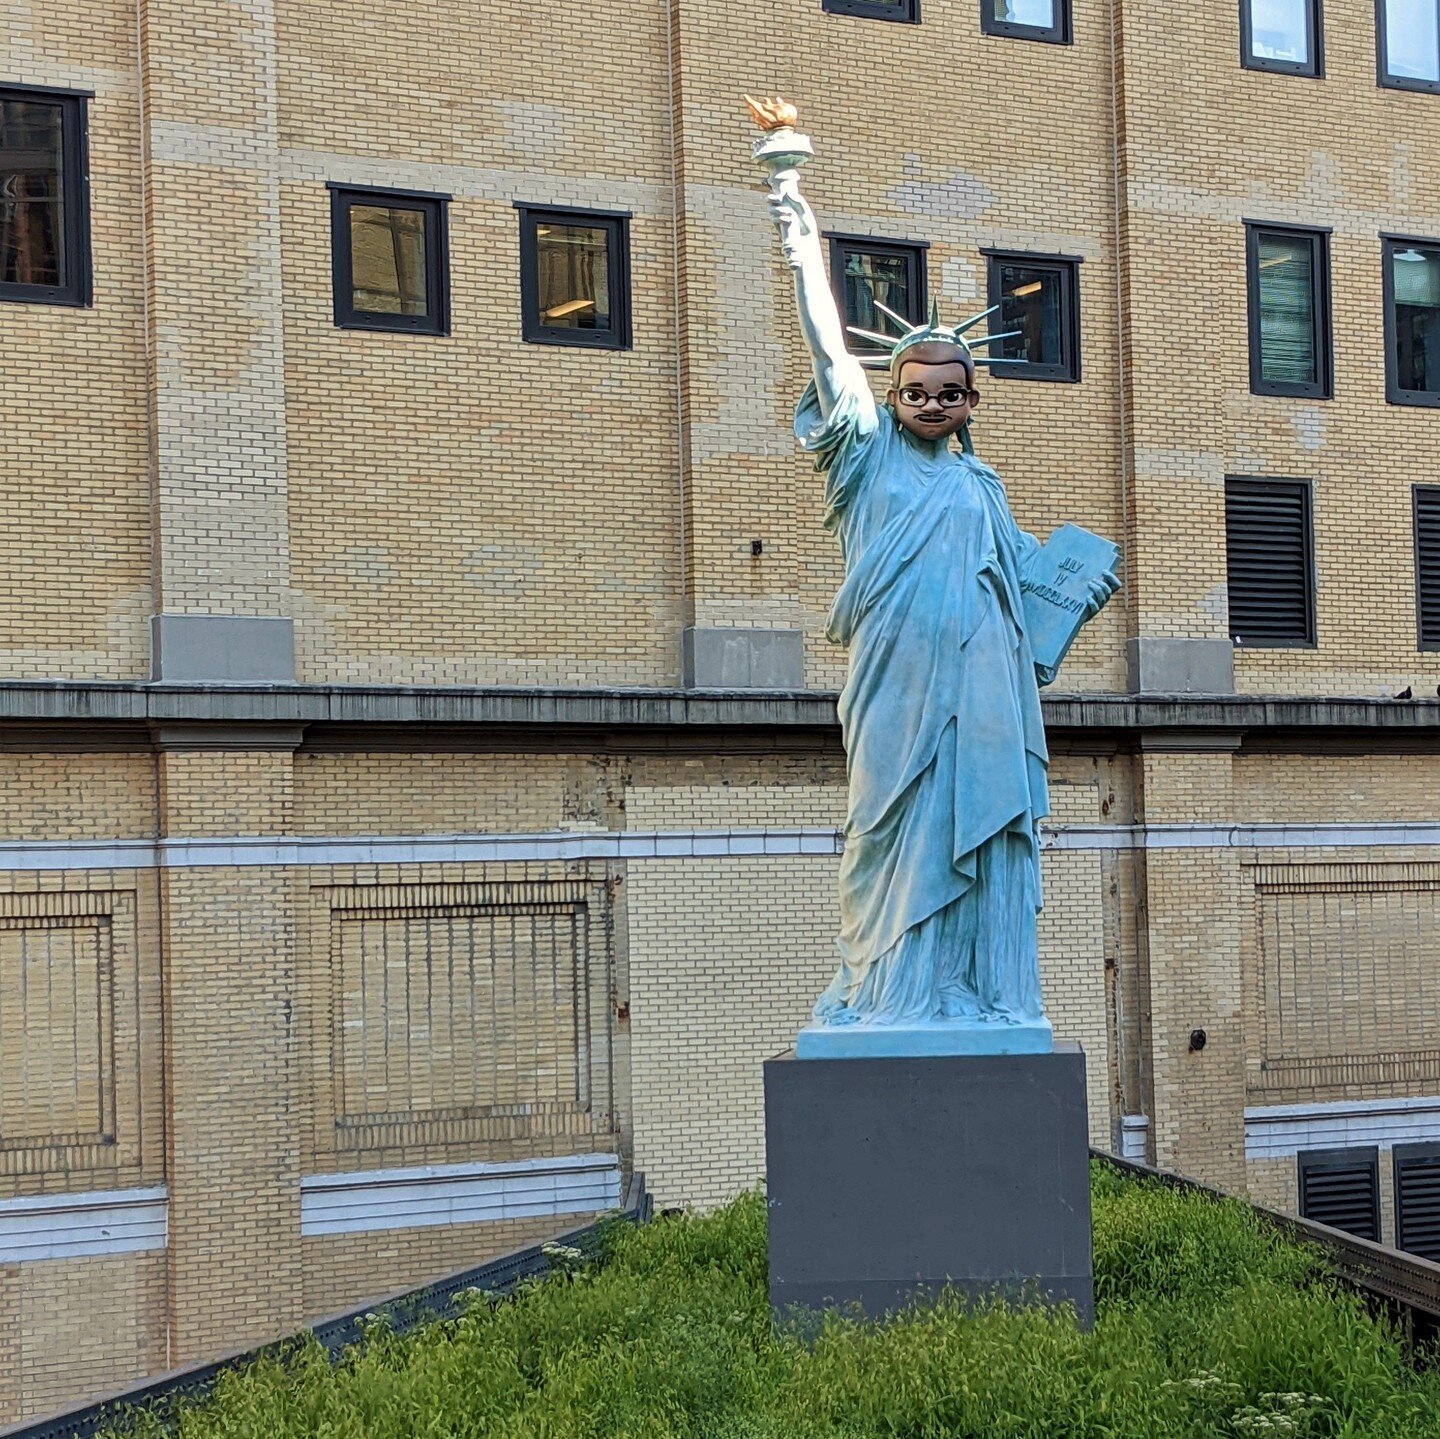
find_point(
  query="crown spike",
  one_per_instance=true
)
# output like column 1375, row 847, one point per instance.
column 887, row 340
column 990, row 339
column 935, row 314
column 905, row 325
column 975, row 320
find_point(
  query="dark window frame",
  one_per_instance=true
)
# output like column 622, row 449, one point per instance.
column 1323, row 387
column 909, row 10
column 78, row 290
column 914, row 252
column 1383, row 77
column 1317, row 1159
column 1399, row 1153
column 436, row 319
column 1068, row 372
column 532, row 328
column 1062, row 32
column 1423, row 642
column 1276, row 484
column 1394, row 395
column 1314, row 69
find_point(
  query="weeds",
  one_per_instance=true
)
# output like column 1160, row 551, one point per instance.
column 1210, row 1327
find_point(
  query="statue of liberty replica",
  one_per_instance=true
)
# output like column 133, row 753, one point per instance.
column 927, row 1130
column 945, row 749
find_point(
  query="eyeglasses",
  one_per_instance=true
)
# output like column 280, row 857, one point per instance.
column 950, row 398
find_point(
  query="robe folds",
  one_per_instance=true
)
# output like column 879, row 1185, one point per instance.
column 944, row 742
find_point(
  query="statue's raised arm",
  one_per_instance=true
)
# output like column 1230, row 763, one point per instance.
column 782, row 150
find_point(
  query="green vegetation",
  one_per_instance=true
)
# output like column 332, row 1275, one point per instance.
column 1209, row 1325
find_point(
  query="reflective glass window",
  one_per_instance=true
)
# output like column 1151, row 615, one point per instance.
column 1411, row 42
column 574, row 275
column 1039, row 315
column 1282, row 34
column 389, row 260
column 1289, row 312
column 44, row 239
column 575, row 278
column 1413, row 322
column 875, row 277
column 387, row 246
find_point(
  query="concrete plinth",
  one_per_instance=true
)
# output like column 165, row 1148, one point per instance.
column 889, row 1178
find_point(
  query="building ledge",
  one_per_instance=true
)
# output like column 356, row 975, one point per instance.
column 65, row 703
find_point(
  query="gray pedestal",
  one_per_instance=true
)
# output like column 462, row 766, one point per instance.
column 890, row 1176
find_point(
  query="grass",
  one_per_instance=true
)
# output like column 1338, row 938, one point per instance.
column 1208, row 1325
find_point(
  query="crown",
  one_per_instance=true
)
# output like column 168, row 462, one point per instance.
column 931, row 332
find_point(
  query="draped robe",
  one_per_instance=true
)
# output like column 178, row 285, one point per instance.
column 945, row 748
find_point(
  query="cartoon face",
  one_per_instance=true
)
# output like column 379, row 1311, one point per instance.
column 932, row 401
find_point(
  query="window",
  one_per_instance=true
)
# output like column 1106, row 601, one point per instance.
column 1269, row 562
column 1427, row 565
column 1341, row 1188
column 44, row 197
column 1027, row 19
column 1282, row 35
column 389, row 260
column 869, row 273
column 1039, row 296
column 907, row 11
column 1417, row 1199
column 575, row 278
column 1412, row 321
column 1407, row 34
column 1289, row 282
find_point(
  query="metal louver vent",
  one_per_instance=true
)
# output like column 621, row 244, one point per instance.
column 1341, row 1188
column 1417, row 1199
column 1427, row 564
column 1268, row 562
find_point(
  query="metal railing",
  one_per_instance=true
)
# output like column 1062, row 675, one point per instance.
column 1404, row 1284
column 403, row 1311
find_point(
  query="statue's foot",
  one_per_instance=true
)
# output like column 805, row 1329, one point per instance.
column 831, row 1009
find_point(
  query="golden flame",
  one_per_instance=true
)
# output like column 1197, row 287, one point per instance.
column 776, row 114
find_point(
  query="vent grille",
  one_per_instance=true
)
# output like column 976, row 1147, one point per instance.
column 1341, row 1188
column 1268, row 563
column 1427, row 563
column 1417, row 1199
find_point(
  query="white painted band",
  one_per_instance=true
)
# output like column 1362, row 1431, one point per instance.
column 75, row 1226
column 1282, row 1130
column 130, row 854
column 378, row 1199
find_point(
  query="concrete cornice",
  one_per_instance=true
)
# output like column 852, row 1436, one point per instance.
column 42, row 704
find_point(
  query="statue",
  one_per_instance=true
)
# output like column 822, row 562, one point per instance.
column 943, row 609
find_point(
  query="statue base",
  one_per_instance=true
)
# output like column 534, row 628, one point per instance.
column 923, row 1040
column 889, row 1179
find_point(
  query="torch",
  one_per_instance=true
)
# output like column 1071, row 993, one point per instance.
column 780, row 151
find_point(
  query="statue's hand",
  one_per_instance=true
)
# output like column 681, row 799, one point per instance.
column 1101, row 589
column 795, row 221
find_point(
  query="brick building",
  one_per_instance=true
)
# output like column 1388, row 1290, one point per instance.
column 420, row 769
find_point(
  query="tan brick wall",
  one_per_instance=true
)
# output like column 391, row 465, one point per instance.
column 75, row 505
column 1193, row 939
column 233, row 1145
column 73, row 1328
column 1210, row 145
column 475, row 509
column 397, row 794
